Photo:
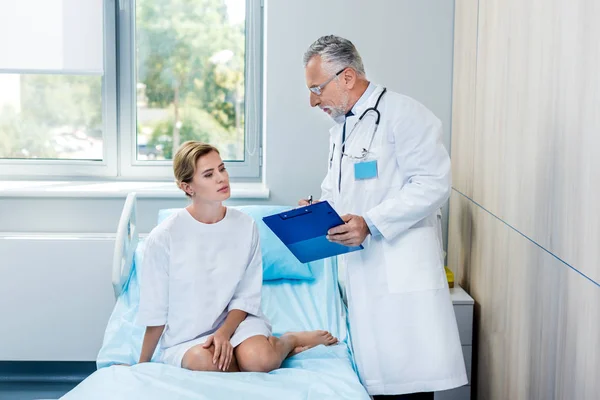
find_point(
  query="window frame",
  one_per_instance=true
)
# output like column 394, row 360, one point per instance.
column 119, row 111
column 73, row 169
column 129, row 166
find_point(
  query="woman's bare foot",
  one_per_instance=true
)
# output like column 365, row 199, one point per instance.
column 309, row 339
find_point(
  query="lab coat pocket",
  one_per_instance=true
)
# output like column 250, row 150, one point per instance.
column 413, row 261
column 382, row 158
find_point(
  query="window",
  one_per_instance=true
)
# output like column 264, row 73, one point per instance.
column 51, row 117
column 186, row 69
column 57, row 114
column 194, row 75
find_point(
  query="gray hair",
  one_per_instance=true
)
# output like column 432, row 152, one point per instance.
column 337, row 53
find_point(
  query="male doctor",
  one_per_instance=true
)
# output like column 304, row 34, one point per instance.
column 388, row 176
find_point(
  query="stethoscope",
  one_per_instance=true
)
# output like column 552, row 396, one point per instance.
column 365, row 152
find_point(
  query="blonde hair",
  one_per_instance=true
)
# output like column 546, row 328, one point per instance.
column 186, row 158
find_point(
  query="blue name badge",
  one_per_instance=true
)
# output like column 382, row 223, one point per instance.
column 365, row 170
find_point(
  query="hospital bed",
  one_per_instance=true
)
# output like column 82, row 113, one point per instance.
column 291, row 305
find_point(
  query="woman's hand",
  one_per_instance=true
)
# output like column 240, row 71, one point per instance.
column 223, row 349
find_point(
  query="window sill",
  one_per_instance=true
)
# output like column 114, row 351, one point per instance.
column 104, row 189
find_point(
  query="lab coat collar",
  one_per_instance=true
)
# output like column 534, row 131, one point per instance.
column 364, row 98
column 367, row 100
column 359, row 104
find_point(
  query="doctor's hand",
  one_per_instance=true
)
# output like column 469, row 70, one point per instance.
column 352, row 233
column 304, row 202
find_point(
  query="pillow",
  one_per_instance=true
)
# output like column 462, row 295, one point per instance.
column 278, row 261
column 165, row 213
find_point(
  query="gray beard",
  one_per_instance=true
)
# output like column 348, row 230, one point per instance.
column 338, row 113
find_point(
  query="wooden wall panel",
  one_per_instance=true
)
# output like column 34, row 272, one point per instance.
column 524, row 234
column 537, row 123
column 463, row 93
column 537, row 321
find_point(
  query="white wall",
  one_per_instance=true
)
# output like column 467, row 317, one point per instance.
column 406, row 45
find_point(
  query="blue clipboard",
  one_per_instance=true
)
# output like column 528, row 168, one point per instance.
column 304, row 231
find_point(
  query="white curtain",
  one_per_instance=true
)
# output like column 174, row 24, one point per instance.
column 52, row 36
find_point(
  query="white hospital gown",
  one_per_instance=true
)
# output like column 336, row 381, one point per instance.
column 193, row 274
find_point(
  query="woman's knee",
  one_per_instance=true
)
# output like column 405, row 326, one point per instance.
column 198, row 359
column 265, row 361
column 257, row 358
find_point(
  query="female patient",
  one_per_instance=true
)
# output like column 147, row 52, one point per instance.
column 201, row 281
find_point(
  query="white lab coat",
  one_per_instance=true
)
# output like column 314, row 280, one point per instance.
column 402, row 324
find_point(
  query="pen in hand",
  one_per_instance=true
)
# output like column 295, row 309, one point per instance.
column 307, row 202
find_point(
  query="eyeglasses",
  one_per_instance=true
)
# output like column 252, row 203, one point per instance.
column 318, row 90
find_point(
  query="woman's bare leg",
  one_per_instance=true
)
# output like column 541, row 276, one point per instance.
column 262, row 354
column 198, row 358
column 310, row 339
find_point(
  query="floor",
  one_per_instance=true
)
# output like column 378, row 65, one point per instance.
column 41, row 380
column 33, row 390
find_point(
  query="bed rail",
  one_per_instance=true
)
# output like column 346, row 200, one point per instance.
column 125, row 244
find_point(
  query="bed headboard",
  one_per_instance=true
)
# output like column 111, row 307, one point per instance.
column 125, row 244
